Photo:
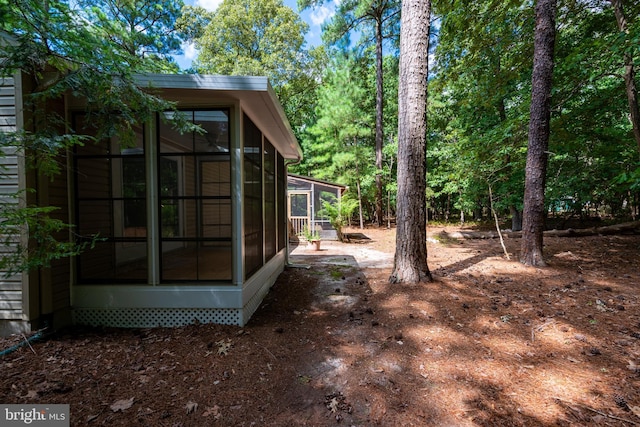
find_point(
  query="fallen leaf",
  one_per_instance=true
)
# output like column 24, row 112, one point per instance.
column 224, row 346
column 601, row 306
column 635, row 410
column 215, row 411
column 121, row 405
column 333, row 405
column 191, row 407
column 566, row 255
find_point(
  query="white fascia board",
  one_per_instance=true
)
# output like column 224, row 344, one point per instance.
column 281, row 124
column 318, row 181
column 206, row 82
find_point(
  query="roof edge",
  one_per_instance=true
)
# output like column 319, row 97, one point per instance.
column 319, row 181
column 256, row 84
column 203, row 81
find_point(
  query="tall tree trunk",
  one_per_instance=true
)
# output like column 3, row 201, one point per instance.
column 539, row 126
column 410, row 263
column 358, row 187
column 629, row 74
column 516, row 218
column 389, row 195
column 379, row 119
column 516, row 215
column 360, row 214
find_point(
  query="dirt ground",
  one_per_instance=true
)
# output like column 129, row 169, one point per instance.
column 488, row 343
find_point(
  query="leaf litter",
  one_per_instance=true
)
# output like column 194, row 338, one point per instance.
column 568, row 353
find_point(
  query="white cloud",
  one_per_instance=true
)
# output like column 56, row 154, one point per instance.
column 321, row 14
column 210, row 5
column 190, row 51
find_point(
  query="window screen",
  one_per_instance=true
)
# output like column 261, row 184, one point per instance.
column 110, row 190
column 253, row 243
column 194, row 173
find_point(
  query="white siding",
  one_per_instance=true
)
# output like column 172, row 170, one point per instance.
column 10, row 288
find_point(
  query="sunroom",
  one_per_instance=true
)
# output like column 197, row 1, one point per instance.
column 192, row 227
column 194, row 224
column 306, row 199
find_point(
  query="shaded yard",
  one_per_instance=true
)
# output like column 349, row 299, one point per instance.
column 489, row 343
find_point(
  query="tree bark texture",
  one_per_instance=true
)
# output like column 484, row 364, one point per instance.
column 379, row 121
column 355, row 143
column 629, row 74
column 410, row 263
column 539, row 126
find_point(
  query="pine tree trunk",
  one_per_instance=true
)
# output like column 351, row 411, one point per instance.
column 629, row 74
column 516, row 219
column 379, row 120
column 410, row 264
column 358, row 188
column 539, row 127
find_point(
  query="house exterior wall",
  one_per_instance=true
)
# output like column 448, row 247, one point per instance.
column 12, row 308
column 59, row 296
column 53, row 282
column 30, row 300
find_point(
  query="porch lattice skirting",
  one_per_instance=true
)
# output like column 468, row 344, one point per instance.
column 254, row 290
column 156, row 317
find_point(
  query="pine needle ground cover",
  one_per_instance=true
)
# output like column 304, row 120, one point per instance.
column 489, row 342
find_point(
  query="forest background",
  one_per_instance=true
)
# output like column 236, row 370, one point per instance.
column 547, row 346
column 341, row 96
column 478, row 109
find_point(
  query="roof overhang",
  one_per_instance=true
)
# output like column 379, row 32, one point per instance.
column 255, row 95
column 340, row 187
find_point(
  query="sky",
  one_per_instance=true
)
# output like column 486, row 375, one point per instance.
column 314, row 18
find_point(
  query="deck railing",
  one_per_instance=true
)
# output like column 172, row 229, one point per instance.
column 299, row 224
